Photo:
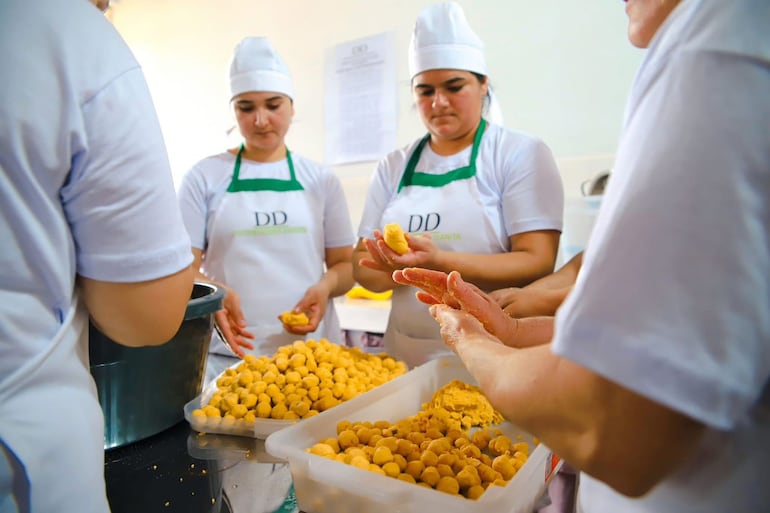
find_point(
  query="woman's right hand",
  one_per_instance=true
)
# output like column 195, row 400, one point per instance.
column 231, row 324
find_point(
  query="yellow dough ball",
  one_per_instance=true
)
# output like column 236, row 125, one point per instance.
column 395, row 238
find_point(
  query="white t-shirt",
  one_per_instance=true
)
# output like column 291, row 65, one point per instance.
column 516, row 176
column 673, row 300
column 270, row 274
column 85, row 188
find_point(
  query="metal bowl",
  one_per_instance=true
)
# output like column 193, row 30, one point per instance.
column 143, row 390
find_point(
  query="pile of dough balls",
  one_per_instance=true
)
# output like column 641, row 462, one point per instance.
column 433, row 448
column 300, row 380
column 457, row 406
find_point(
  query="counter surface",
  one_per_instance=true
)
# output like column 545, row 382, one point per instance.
column 362, row 314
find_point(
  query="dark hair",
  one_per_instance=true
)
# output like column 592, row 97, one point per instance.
column 481, row 78
column 488, row 98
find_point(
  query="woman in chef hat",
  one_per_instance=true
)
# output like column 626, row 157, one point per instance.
column 271, row 226
column 471, row 195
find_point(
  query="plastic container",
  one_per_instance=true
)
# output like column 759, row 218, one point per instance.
column 207, row 446
column 326, row 486
column 142, row 389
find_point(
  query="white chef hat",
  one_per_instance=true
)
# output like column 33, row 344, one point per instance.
column 443, row 39
column 256, row 66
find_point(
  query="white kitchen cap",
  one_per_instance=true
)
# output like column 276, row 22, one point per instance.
column 256, row 66
column 442, row 39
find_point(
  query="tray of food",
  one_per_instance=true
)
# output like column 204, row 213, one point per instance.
column 258, row 396
column 426, row 441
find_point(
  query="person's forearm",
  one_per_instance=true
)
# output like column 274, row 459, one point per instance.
column 564, row 277
column 550, row 298
column 371, row 279
column 597, row 426
column 338, row 279
column 494, row 271
column 531, row 331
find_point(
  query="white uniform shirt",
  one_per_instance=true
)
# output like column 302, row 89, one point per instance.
column 85, row 187
column 200, row 195
column 516, row 174
column 673, row 300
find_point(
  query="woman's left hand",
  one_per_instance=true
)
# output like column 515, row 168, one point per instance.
column 422, row 252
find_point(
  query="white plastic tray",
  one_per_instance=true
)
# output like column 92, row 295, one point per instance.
column 327, row 486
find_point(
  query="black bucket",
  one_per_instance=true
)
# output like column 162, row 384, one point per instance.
column 143, row 390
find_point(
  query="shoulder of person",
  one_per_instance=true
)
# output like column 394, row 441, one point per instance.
column 697, row 28
column 212, row 169
column 315, row 175
column 214, row 164
column 398, row 158
column 309, row 165
column 309, row 168
column 507, row 141
column 90, row 46
column 738, row 27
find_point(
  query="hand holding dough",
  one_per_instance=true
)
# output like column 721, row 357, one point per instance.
column 395, row 238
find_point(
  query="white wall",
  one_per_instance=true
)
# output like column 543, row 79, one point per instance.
column 561, row 70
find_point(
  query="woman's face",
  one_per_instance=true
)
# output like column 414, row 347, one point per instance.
column 449, row 101
column 263, row 119
column 645, row 18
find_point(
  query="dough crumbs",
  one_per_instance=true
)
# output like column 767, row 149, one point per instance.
column 459, row 405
